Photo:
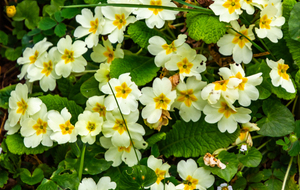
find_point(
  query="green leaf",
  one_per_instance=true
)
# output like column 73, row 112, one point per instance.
column 291, row 184
column 279, row 120
column 294, row 28
column 47, row 23
column 142, row 69
column 156, row 138
column 295, row 149
column 297, row 129
column 5, row 94
column 74, row 92
column 240, row 183
column 3, row 178
column 60, row 30
column 3, row 38
column 251, row 159
column 58, row 103
column 57, row 16
column 70, row 12
column 280, row 50
column 16, row 145
column 13, row 54
column 281, row 92
column 48, row 185
column 231, row 162
column 187, row 139
column 29, row 11
column 140, row 33
column 256, row 186
column 273, row 184
column 90, row 88
column 53, row 7
column 297, row 80
column 65, row 86
column 31, row 179
column 66, row 181
column 205, row 27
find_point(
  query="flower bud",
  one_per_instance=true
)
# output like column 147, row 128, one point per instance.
column 11, row 11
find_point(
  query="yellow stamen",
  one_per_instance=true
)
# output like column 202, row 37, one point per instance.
column 68, row 56
column 265, row 22
column 154, row 10
column 122, row 148
column 48, row 67
column 122, row 91
column 34, row 57
column 120, row 21
column 120, row 126
column 226, row 110
column 110, row 54
column 185, row 66
column 169, row 48
column 190, row 183
column 282, row 71
column 241, row 40
column 94, row 26
column 22, row 106
column 160, row 174
column 40, row 127
column 100, row 109
column 66, row 128
column 221, row 85
column 161, row 102
column 187, row 97
column 232, row 5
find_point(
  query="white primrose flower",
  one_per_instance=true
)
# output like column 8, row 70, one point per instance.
column 20, row 106
column 96, row 104
column 35, row 129
column 44, row 70
column 244, row 148
column 117, row 154
column 235, row 44
column 163, row 51
column 277, row 4
column 102, row 74
column 11, row 129
column 269, row 24
column 224, row 186
column 279, row 77
column 228, row 10
column 30, row 55
column 106, row 53
column 246, row 89
column 70, row 57
column 245, row 135
column 104, row 183
column 156, row 17
column 161, row 170
column 189, row 100
column 63, row 130
column 194, row 177
column 115, row 127
column 116, row 21
column 226, row 115
column 125, row 91
column 169, row 186
column 89, row 125
column 90, row 25
column 156, row 99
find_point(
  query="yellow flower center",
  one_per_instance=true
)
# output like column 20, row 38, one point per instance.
column 161, row 102
column 221, row 85
column 120, row 21
column 282, row 71
column 160, row 174
column 265, row 22
column 48, row 67
column 226, row 110
column 225, row 188
column 34, row 57
column 68, row 56
column 91, row 126
column 187, row 97
column 40, row 127
column 100, row 109
column 94, row 26
column 244, row 80
column 154, row 10
column 122, row 91
column 22, row 106
column 109, row 54
column 120, row 126
column 241, row 40
column 184, row 66
column 122, row 148
column 169, row 48
column 232, row 5
column 66, row 128
column 11, row 11
column 190, row 183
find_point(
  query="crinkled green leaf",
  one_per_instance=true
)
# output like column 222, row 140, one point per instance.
column 279, row 120
column 142, row 69
column 70, row 12
column 5, row 94
column 3, row 38
column 16, row 145
column 60, row 30
column 3, row 178
column 294, row 27
column 28, row 10
column 47, row 23
column 273, row 184
column 187, row 139
column 66, row 181
column 58, row 103
column 297, row 80
column 140, row 33
column 90, row 88
column 48, row 185
column 156, row 138
column 32, row 179
column 205, row 27
column 292, row 184
column 251, row 159
column 13, row 54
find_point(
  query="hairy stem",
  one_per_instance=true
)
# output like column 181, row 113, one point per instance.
column 81, row 162
column 287, row 173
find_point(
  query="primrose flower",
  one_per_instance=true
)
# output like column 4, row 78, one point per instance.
column 44, row 70
column 269, row 24
column 125, row 91
column 115, row 127
column 20, row 106
column 279, row 77
column 156, row 17
column 194, row 177
column 30, row 55
column 35, row 129
column 246, row 89
column 104, row 183
column 189, row 100
column 244, row 148
column 102, row 74
column 161, row 170
column 226, row 115
column 224, row 186
column 235, row 44
column 70, row 57
column 11, row 11
column 163, row 51
column 106, row 53
column 11, row 129
column 228, row 10
column 89, row 125
column 90, row 25
column 156, row 99
column 96, row 104
column 116, row 21
column 63, row 130
column 245, row 135
column 117, row 154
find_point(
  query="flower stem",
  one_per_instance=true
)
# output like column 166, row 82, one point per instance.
column 264, row 144
column 81, row 162
column 263, row 43
column 287, row 173
column 257, row 136
column 294, row 105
